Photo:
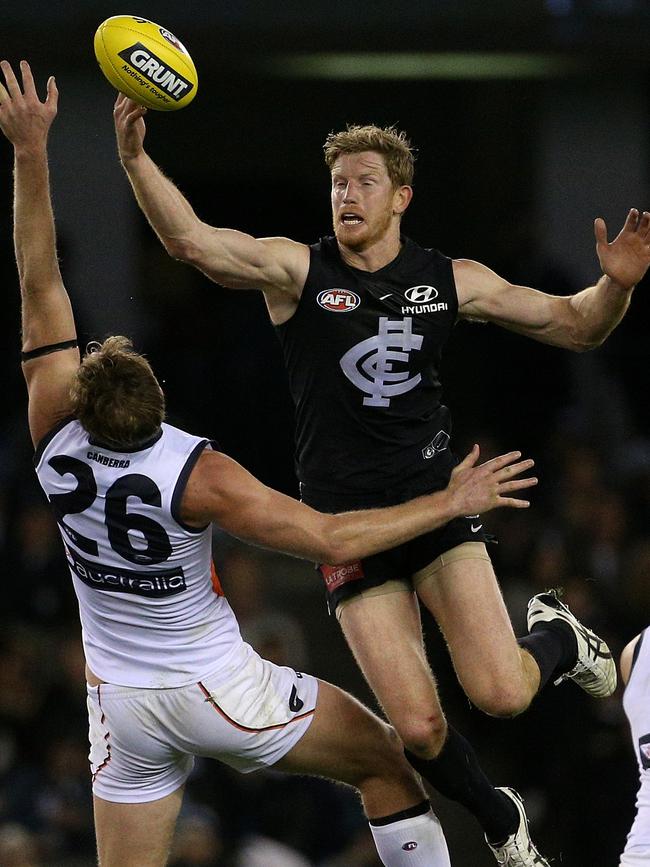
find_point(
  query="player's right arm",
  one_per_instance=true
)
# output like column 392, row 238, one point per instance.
column 222, row 491
column 50, row 354
column 277, row 266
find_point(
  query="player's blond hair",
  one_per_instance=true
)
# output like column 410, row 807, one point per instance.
column 116, row 396
column 392, row 144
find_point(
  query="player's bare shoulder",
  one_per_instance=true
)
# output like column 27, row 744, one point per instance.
column 209, row 483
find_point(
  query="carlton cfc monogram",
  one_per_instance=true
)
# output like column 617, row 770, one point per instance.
column 369, row 364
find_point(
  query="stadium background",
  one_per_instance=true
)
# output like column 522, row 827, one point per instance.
column 531, row 118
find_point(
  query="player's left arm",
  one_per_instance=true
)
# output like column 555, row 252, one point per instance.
column 47, row 319
column 578, row 322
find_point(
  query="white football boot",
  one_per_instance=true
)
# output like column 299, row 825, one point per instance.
column 595, row 670
column 518, row 850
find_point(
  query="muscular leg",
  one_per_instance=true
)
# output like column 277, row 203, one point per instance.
column 462, row 594
column 396, row 666
column 397, row 670
column 136, row 835
column 347, row 742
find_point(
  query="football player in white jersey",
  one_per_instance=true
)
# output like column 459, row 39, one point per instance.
column 635, row 674
column 169, row 676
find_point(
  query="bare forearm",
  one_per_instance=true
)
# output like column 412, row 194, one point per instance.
column 226, row 256
column 598, row 309
column 274, row 521
column 473, row 489
column 34, row 236
column 222, row 491
column 169, row 213
column 46, row 312
column 354, row 535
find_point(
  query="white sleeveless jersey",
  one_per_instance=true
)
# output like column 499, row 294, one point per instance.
column 151, row 610
column 636, row 702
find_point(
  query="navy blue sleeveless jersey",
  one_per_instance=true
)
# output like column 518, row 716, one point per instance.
column 363, row 354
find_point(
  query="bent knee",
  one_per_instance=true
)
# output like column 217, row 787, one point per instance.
column 423, row 736
column 501, row 701
column 384, row 762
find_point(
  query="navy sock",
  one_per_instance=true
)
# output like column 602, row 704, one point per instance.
column 553, row 646
column 457, row 775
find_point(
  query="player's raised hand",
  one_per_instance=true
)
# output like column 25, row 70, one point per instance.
column 625, row 260
column 130, row 128
column 477, row 489
column 24, row 119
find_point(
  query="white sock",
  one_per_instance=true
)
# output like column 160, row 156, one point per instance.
column 414, row 842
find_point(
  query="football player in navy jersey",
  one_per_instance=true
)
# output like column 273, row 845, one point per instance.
column 363, row 317
column 134, row 498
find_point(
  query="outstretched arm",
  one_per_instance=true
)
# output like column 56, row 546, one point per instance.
column 578, row 322
column 234, row 259
column 47, row 318
column 222, row 491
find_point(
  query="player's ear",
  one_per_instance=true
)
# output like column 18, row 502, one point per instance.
column 402, row 199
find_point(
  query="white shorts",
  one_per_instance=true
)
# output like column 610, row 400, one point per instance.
column 635, row 859
column 143, row 741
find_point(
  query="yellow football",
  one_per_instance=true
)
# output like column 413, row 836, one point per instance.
column 146, row 62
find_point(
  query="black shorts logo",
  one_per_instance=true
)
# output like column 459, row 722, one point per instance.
column 295, row 703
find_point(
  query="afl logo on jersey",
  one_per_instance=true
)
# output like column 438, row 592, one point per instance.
column 338, row 300
column 421, row 294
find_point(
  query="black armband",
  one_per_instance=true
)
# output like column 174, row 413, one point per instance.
column 46, row 350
